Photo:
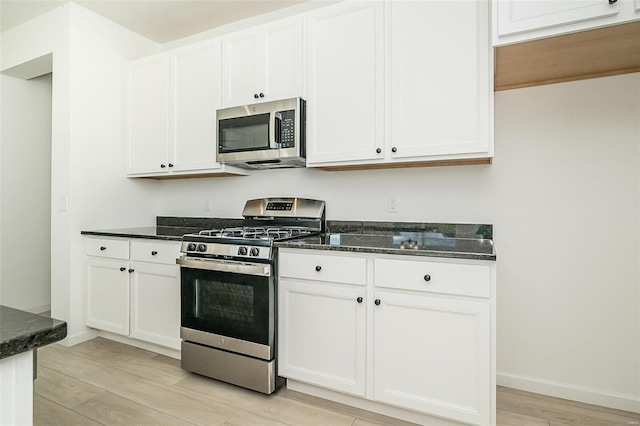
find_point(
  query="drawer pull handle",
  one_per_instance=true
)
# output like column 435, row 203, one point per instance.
column 427, row 277
column 318, row 268
column 103, row 248
column 153, row 253
column 130, row 270
column 359, row 300
column 377, row 302
column 122, row 269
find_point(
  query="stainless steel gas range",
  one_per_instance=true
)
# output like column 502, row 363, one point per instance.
column 229, row 292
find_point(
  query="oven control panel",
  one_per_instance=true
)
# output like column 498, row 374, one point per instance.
column 226, row 250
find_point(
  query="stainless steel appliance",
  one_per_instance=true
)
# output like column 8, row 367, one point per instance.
column 263, row 136
column 229, row 292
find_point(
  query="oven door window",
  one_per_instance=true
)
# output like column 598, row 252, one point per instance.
column 248, row 133
column 228, row 304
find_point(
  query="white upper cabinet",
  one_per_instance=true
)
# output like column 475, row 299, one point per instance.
column 173, row 98
column 345, row 83
column 195, row 74
column 440, row 92
column 148, row 115
column 521, row 20
column 384, row 89
column 263, row 63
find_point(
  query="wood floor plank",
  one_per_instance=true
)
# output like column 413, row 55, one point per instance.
column 559, row 411
column 507, row 418
column 244, row 418
column 179, row 403
column 280, row 409
column 358, row 413
column 48, row 413
column 62, row 389
column 66, row 362
column 101, row 349
column 111, row 409
column 168, row 360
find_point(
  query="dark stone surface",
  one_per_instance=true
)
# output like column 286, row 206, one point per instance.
column 463, row 241
column 22, row 331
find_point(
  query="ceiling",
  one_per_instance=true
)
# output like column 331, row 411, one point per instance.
column 159, row 20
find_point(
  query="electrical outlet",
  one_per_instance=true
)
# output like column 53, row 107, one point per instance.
column 207, row 204
column 63, row 203
column 392, row 204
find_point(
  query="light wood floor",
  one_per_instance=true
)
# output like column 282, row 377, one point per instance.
column 101, row 382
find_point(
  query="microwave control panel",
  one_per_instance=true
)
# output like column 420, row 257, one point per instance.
column 288, row 131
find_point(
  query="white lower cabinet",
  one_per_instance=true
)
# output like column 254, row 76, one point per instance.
column 433, row 355
column 322, row 340
column 137, row 293
column 108, row 295
column 402, row 332
column 155, row 304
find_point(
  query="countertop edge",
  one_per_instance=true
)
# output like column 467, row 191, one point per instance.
column 35, row 340
column 132, row 235
column 373, row 250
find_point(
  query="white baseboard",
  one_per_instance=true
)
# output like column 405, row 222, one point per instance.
column 604, row 398
column 38, row 309
column 172, row 353
column 78, row 338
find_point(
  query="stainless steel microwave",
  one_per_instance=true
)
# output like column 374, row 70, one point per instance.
column 263, row 136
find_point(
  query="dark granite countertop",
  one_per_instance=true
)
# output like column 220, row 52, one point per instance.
column 151, row 232
column 22, row 331
column 463, row 241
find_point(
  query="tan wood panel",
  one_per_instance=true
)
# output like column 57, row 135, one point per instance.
column 467, row 162
column 588, row 54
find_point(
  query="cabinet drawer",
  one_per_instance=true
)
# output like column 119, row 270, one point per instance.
column 106, row 247
column 155, row 251
column 436, row 277
column 322, row 267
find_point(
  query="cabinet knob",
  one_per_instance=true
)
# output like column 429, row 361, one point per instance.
column 162, row 166
column 359, row 300
column 318, row 268
column 103, row 248
column 377, row 302
column 153, row 253
column 427, row 277
column 394, row 149
column 613, row 1
column 262, row 95
column 378, row 150
column 130, row 270
column 170, row 164
column 122, row 269
column 255, row 95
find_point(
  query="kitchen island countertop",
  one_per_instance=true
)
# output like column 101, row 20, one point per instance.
column 22, row 331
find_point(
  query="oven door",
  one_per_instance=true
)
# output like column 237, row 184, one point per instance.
column 228, row 305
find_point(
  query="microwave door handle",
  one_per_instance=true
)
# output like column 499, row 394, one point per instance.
column 275, row 124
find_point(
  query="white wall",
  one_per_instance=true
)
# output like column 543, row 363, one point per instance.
column 89, row 56
column 562, row 194
column 25, row 166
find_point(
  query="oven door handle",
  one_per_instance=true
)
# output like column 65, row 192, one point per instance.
column 224, row 266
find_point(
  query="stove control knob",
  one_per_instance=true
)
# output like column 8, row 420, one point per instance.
column 202, row 247
column 191, row 247
column 242, row 251
column 255, row 251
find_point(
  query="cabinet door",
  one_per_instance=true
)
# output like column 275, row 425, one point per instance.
column 517, row 16
column 155, row 303
column 433, row 355
column 148, row 115
column 345, row 83
column 322, row 335
column 196, row 97
column 440, row 92
column 281, row 76
column 108, row 295
column 239, row 68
